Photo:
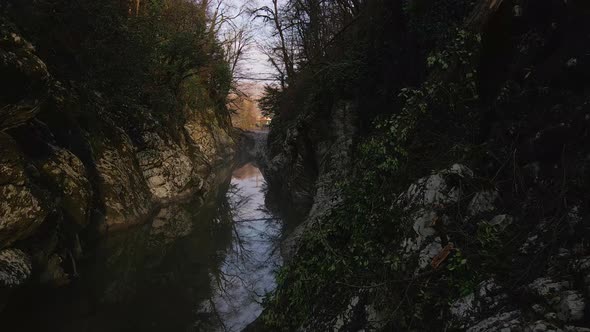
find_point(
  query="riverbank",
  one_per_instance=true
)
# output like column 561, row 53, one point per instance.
column 202, row 265
column 74, row 167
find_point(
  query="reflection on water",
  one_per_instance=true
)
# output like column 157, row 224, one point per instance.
column 200, row 266
column 247, row 272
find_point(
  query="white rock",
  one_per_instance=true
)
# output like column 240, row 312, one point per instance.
column 482, row 202
column 461, row 170
column 423, row 225
column 432, row 190
column 429, row 252
column 463, row 308
column 502, row 320
column 547, row 288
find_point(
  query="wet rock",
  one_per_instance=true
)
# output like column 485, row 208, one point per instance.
column 22, row 208
column 15, row 267
column 69, row 181
column 67, row 158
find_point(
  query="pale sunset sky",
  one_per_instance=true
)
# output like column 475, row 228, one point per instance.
column 254, row 64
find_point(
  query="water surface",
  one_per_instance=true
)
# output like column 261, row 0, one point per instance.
column 198, row 266
column 248, row 270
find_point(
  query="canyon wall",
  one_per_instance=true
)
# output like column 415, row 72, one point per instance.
column 71, row 168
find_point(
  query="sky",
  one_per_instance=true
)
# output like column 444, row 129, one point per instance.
column 254, row 64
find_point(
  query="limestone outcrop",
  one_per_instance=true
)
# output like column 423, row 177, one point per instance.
column 71, row 167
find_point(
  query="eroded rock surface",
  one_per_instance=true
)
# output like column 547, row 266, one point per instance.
column 291, row 172
column 22, row 208
column 68, row 162
column 126, row 195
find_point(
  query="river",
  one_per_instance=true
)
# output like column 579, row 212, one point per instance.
column 198, row 266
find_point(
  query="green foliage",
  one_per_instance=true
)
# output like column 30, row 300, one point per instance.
column 436, row 120
column 432, row 20
column 438, row 116
column 360, row 240
column 460, row 50
column 140, row 61
column 270, row 103
column 461, row 277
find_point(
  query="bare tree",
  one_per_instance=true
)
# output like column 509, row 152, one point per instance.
column 303, row 31
column 280, row 54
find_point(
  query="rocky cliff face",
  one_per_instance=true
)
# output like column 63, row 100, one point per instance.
column 477, row 243
column 553, row 297
column 305, row 163
column 69, row 167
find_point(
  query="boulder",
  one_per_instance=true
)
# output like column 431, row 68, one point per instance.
column 504, row 322
column 558, row 296
column 22, row 207
column 424, row 200
column 165, row 166
column 126, row 196
column 68, row 179
column 23, row 79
